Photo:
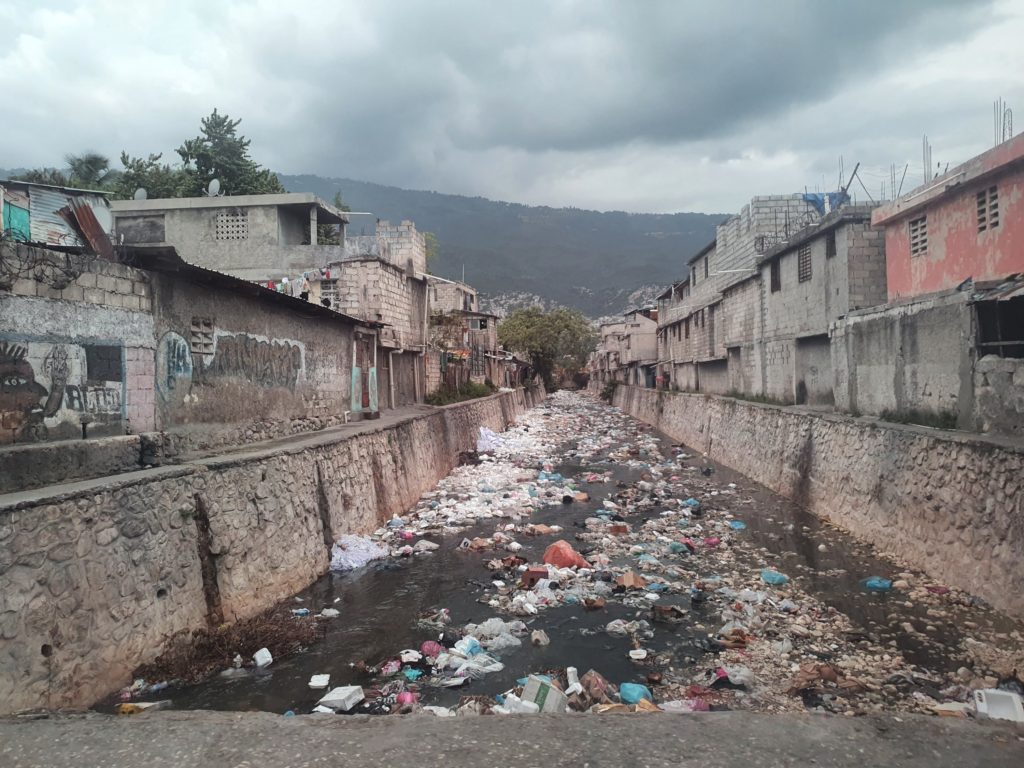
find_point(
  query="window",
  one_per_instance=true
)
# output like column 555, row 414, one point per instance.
column 200, row 338
column 776, row 277
column 686, row 327
column 1001, row 327
column 329, row 290
column 918, row 236
column 102, row 363
column 693, row 275
column 232, row 226
column 803, row 263
column 706, row 266
column 830, row 244
column 988, row 209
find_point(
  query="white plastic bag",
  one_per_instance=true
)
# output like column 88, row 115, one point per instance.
column 350, row 552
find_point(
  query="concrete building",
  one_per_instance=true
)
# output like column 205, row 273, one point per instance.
column 821, row 274
column 948, row 348
column 158, row 345
column 639, row 352
column 262, row 238
column 606, row 360
column 693, row 353
column 967, row 224
column 451, row 295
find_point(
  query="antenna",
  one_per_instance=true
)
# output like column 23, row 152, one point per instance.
column 214, row 188
column 140, row 194
column 1002, row 119
column 926, row 158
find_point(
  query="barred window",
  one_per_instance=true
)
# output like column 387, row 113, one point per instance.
column 919, row 236
column 201, row 336
column 988, row 208
column 803, row 263
column 329, row 290
column 232, row 226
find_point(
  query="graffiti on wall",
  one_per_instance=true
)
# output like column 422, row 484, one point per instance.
column 266, row 362
column 49, row 390
column 173, row 366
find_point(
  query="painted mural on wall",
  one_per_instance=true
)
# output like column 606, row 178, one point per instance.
column 264, row 362
column 49, row 390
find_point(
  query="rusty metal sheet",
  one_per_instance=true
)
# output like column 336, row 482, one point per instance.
column 91, row 229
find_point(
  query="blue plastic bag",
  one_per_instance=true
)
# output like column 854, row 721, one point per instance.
column 773, row 577
column 737, row 525
column 877, row 584
column 631, row 693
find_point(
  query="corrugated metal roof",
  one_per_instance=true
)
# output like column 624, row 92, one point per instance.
column 47, row 225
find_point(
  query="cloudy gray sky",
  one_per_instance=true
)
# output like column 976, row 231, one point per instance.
column 636, row 105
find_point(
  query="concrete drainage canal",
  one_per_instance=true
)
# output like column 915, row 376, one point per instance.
column 670, row 583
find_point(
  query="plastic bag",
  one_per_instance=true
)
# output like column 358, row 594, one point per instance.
column 773, row 577
column 877, row 584
column 488, row 441
column 350, row 552
column 631, row 693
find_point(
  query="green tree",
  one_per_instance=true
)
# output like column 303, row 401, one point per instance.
column 158, row 179
column 89, row 170
column 219, row 152
column 556, row 343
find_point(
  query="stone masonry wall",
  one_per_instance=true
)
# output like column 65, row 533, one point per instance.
column 95, row 578
column 949, row 504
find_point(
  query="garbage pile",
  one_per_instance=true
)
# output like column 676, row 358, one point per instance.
column 698, row 598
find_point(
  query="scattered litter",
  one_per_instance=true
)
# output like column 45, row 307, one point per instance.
column 262, row 658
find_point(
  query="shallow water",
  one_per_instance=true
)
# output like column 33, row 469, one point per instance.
column 380, row 604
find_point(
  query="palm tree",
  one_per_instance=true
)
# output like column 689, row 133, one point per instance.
column 91, row 170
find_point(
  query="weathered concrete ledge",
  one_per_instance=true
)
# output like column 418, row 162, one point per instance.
column 708, row 740
column 948, row 503
column 95, row 575
column 36, row 464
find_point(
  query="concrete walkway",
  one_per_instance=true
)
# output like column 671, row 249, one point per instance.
column 222, row 739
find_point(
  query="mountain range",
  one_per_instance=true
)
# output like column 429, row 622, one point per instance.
column 598, row 262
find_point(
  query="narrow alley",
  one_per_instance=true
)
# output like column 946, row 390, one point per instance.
column 582, row 554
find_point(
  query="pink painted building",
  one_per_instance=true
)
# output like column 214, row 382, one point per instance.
column 967, row 223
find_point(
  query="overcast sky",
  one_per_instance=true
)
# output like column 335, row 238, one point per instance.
column 632, row 105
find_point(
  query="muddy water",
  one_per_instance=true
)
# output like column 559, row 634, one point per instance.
column 379, row 604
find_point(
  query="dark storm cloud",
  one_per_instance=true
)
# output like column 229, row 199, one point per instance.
column 538, row 101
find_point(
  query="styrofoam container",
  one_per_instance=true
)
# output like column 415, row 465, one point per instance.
column 1000, row 705
column 262, row 657
column 319, row 681
column 344, row 698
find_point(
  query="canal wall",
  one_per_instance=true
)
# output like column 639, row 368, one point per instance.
column 96, row 575
column 950, row 504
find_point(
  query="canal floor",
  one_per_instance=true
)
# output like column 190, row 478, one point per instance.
column 909, row 648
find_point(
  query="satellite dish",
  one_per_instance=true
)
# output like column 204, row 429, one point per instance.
column 214, row 188
column 140, row 194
